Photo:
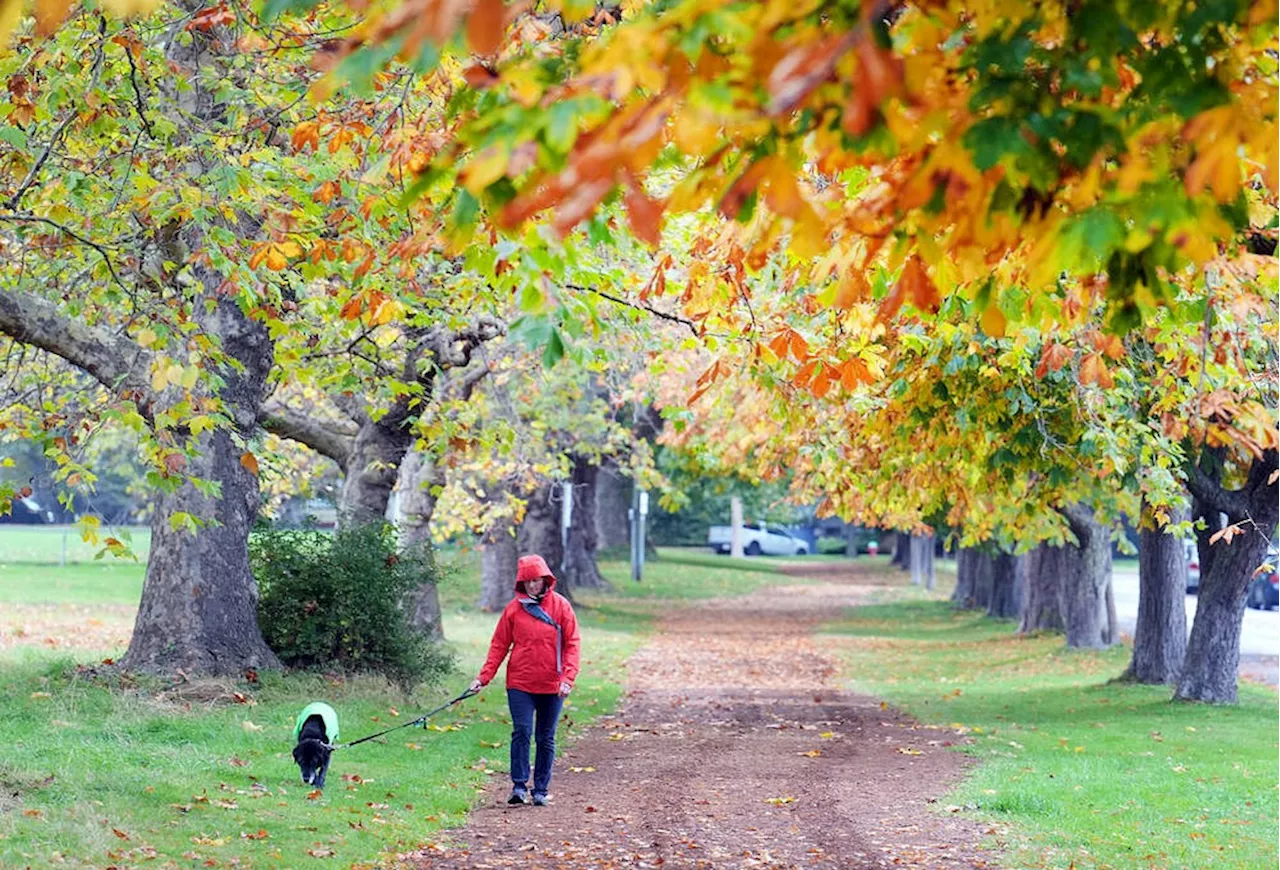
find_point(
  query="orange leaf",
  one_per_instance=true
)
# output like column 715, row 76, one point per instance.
column 799, row 347
column 1094, row 371
column 308, row 132
column 249, row 461
column 1053, row 358
column 644, row 213
column 779, row 344
column 485, row 25
column 822, row 381
column 915, row 282
column 352, row 309
column 993, row 321
column 854, row 372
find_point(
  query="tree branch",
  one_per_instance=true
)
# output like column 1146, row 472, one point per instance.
column 115, row 361
column 1232, row 502
column 334, row 439
column 674, row 318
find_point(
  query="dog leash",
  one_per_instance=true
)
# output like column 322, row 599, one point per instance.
column 421, row 720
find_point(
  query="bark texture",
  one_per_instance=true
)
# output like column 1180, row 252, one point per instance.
column 540, row 531
column 1008, row 582
column 612, row 504
column 920, row 556
column 419, row 479
column 199, row 601
column 1213, row 650
column 1160, row 634
column 580, row 568
column 1085, row 577
column 966, row 565
column 498, row 557
column 1042, row 607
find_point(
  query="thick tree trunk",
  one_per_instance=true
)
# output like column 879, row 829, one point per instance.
column 966, row 576
column 580, row 568
column 613, row 501
column 498, row 557
column 419, row 479
column 1042, row 607
column 1008, row 582
column 540, row 531
column 199, row 608
column 901, row 550
column 1160, row 635
column 1213, row 650
column 920, row 557
column 1086, row 573
column 983, row 579
column 372, row 469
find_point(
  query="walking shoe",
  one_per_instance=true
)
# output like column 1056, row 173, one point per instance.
column 518, row 796
column 540, row 800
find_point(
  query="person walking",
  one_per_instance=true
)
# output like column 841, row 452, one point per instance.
column 540, row 631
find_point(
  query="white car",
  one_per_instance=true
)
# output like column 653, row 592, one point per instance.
column 757, row 539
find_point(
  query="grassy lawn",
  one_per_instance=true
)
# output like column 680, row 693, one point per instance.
column 103, row 772
column 1075, row 769
column 54, row 545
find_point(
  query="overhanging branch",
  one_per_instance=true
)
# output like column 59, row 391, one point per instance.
column 334, row 439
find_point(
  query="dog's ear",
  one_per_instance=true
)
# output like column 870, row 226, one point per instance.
column 297, row 754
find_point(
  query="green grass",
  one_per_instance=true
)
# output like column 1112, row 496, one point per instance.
column 1074, row 768
column 193, row 774
column 110, row 581
column 54, row 545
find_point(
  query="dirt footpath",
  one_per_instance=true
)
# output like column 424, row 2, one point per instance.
column 735, row 749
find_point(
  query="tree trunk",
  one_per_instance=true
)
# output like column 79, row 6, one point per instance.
column 613, row 501
column 901, row 550
column 735, row 527
column 983, row 579
column 199, row 608
column 540, row 531
column 1086, row 573
column 1008, row 573
column 920, row 560
column 580, row 568
column 966, row 575
column 419, row 478
column 498, row 557
column 372, row 470
column 1213, row 650
column 1042, row 608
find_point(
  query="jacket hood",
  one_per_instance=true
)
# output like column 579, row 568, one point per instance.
column 531, row 568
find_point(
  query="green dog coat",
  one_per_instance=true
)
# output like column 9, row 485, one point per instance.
column 327, row 715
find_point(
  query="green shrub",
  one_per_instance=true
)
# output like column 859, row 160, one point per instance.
column 338, row 601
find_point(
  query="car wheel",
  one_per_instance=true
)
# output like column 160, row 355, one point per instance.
column 753, row 549
column 802, row 552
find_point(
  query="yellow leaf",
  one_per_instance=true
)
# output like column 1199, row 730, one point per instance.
column 484, row 169
column 993, row 321
column 146, row 337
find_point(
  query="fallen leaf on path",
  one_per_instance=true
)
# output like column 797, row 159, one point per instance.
column 812, row 753
column 780, row 801
column 907, row 750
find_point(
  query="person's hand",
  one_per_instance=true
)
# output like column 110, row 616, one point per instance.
column 476, row 686
column 565, row 689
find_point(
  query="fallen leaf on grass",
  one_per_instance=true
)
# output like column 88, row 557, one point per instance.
column 237, row 762
column 119, row 833
column 37, row 695
column 488, row 745
column 415, row 747
column 249, row 726
column 227, row 804
column 260, row 834
column 315, row 794
column 321, row 853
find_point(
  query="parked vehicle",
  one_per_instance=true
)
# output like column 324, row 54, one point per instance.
column 1193, row 566
column 757, row 539
column 1264, row 589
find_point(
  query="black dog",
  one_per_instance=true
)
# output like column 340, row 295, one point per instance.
column 315, row 743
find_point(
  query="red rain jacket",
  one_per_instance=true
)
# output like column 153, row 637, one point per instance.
column 532, row 642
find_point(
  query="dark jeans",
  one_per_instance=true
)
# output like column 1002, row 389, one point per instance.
column 523, row 706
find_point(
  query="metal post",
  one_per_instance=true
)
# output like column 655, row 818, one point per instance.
column 644, row 512
column 566, row 517
column 637, row 546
